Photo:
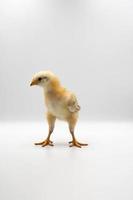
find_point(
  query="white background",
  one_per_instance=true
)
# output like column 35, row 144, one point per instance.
column 89, row 45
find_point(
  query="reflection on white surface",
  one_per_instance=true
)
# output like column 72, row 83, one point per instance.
column 102, row 171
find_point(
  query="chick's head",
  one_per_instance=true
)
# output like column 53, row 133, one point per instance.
column 44, row 79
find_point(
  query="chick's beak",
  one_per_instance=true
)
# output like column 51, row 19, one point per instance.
column 33, row 82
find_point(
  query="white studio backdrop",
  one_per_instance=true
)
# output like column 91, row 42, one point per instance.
column 87, row 43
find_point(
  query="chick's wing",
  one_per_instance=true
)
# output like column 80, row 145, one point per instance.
column 73, row 105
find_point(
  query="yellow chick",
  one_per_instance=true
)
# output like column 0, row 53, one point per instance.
column 61, row 104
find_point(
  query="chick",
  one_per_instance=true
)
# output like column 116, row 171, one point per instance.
column 61, row 104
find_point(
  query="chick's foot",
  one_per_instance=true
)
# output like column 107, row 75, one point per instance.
column 77, row 144
column 45, row 143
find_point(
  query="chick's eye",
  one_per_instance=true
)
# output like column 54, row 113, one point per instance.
column 39, row 79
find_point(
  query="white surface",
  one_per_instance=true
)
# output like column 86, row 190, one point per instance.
column 102, row 171
column 87, row 43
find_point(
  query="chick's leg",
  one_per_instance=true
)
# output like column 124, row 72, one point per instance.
column 74, row 141
column 51, row 121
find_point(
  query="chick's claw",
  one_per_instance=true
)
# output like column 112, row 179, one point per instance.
column 39, row 143
column 75, row 143
column 45, row 143
column 81, row 144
